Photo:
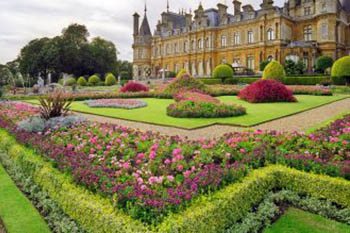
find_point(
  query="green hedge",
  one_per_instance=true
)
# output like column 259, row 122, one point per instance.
column 212, row 213
column 305, row 80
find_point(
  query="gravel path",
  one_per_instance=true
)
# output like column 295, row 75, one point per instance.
column 299, row 122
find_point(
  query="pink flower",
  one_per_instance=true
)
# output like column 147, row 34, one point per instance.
column 187, row 173
column 242, row 150
column 170, row 178
column 140, row 156
column 167, row 161
column 152, row 155
column 180, row 167
column 126, row 165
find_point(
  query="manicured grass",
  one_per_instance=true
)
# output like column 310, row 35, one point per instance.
column 16, row 211
column 298, row 221
column 155, row 112
column 327, row 122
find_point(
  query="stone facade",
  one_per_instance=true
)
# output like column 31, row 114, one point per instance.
column 301, row 29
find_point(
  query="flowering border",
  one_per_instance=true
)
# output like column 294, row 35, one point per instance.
column 116, row 103
column 210, row 214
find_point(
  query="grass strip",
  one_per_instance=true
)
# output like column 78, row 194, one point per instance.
column 16, row 211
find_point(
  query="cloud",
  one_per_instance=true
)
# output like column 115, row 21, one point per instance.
column 25, row 20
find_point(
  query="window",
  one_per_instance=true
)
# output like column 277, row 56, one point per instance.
column 207, row 43
column 307, row 11
column 236, row 38
column 324, row 31
column 176, row 48
column 250, row 37
column 193, row 45
column 223, row 41
column 200, row 44
column 250, row 63
column 308, row 33
column 270, row 34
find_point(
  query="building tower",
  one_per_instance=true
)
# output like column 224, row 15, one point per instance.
column 142, row 48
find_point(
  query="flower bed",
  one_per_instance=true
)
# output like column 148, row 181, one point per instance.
column 194, row 96
column 267, row 91
column 311, row 90
column 133, row 86
column 195, row 109
column 155, row 175
column 116, row 103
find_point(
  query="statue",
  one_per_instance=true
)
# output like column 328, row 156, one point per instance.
column 40, row 82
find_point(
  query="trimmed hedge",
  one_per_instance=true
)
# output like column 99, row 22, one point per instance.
column 212, row 213
column 94, row 80
column 223, row 72
column 92, row 212
column 274, row 70
column 305, row 80
column 110, row 80
column 82, row 81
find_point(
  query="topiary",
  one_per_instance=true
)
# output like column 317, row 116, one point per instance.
column 267, row 91
column 181, row 73
column 186, row 82
column 223, row 72
column 323, row 63
column 94, row 80
column 81, row 81
column 341, row 70
column 274, row 70
column 110, row 80
column 70, row 82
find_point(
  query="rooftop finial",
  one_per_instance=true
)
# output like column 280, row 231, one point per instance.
column 145, row 7
column 167, row 6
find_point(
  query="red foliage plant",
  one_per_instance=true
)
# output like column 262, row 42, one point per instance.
column 133, row 86
column 265, row 91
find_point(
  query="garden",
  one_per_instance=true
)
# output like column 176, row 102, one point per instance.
column 87, row 176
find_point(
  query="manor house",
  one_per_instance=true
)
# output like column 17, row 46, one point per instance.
column 198, row 41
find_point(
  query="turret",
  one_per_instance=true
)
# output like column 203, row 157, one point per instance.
column 222, row 13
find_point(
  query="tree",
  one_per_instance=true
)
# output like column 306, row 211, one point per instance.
column 293, row 68
column 263, row 64
column 124, row 69
column 323, row 63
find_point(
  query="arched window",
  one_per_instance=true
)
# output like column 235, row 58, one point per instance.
column 223, row 41
column 308, row 33
column 186, row 46
column 176, row 48
column 200, row 44
column 207, row 42
column 193, row 45
column 270, row 34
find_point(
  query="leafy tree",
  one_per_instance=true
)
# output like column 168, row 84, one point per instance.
column 263, row 64
column 323, row 63
column 124, row 69
column 293, row 68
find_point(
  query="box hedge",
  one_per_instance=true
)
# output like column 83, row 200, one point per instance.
column 211, row 213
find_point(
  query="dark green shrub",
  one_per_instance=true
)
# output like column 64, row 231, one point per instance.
column 223, row 72
column 210, row 81
column 293, row 68
column 171, row 74
column 341, row 70
column 323, row 63
column 247, row 80
column 312, row 80
column 81, row 81
column 69, row 82
column 94, row 80
column 124, row 75
column 263, row 65
column 274, row 70
column 110, row 80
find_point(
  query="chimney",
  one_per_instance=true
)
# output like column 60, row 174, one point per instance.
column 237, row 7
column 188, row 19
column 136, row 24
column 222, row 12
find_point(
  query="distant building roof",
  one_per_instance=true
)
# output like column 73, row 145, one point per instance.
column 145, row 29
column 346, row 5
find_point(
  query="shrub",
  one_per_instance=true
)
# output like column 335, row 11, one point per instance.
column 32, row 125
column 171, row 74
column 341, row 69
column 82, row 81
column 231, row 81
column 116, row 103
column 124, row 75
column 266, row 91
column 94, row 80
column 54, row 105
column 133, row 86
column 186, row 82
column 191, row 109
column 1, row 92
column 274, row 70
column 223, row 72
column 194, row 96
column 304, row 80
column 263, row 65
column 323, row 63
column 70, row 82
column 110, row 80
column 181, row 73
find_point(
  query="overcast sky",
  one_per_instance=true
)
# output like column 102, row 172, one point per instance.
column 24, row 20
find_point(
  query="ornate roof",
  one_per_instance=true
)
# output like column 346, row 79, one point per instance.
column 345, row 4
column 145, row 29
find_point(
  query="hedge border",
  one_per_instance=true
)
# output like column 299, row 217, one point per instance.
column 211, row 213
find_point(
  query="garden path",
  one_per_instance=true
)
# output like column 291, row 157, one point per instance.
column 299, row 122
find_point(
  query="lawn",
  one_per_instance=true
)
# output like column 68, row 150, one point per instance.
column 16, row 212
column 155, row 112
column 298, row 221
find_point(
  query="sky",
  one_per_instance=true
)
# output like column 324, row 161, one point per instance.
column 25, row 20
